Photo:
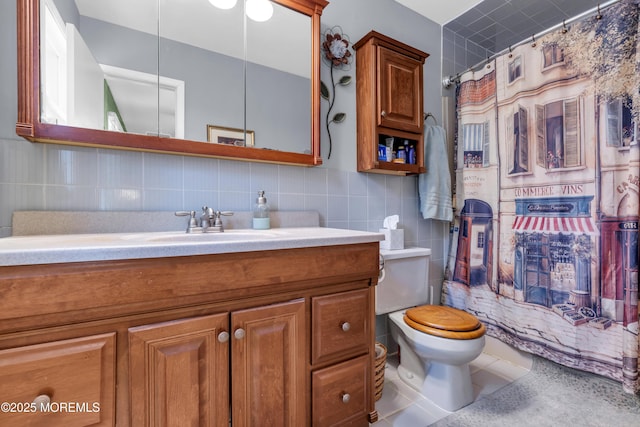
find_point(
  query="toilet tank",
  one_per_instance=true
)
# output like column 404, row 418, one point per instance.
column 404, row 281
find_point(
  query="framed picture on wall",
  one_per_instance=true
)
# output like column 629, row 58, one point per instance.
column 229, row 136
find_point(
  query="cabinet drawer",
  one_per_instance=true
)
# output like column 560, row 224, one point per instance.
column 77, row 376
column 340, row 393
column 340, row 325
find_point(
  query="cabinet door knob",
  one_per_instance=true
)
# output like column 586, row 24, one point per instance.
column 346, row 326
column 383, row 113
column 223, row 336
column 239, row 333
column 346, row 397
column 41, row 402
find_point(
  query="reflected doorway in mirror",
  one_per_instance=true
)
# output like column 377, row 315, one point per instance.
column 230, row 136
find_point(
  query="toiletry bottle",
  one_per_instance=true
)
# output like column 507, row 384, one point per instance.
column 261, row 219
column 402, row 155
column 412, row 155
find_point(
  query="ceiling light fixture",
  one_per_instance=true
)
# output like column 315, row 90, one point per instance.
column 223, row 4
column 259, row 10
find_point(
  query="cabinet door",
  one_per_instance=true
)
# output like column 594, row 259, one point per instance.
column 179, row 373
column 73, row 381
column 268, row 366
column 399, row 91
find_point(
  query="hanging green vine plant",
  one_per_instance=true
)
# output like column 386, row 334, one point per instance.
column 337, row 55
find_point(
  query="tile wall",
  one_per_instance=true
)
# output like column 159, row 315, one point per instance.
column 36, row 176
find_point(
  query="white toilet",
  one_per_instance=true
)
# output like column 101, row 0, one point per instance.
column 436, row 342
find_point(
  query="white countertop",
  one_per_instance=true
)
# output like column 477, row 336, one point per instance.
column 53, row 249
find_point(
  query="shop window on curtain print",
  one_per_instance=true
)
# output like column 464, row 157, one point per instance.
column 475, row 139
column 557, row 136
column 515, row 69
column 480, row 244
column 520, row 141
column 552, row 55
column 621, row 130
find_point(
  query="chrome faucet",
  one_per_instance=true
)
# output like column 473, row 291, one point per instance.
column 210, row 220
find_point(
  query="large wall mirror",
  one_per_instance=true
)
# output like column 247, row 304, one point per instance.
column 176, row 76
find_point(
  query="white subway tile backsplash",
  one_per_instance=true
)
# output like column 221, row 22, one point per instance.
column 119, row 169
column 40, row 176
column 338, row 208
column 70, row 197
column 201, row 174
column 357, row 208
column 120, row 199
column 291, row 179
column 358, row 184
column 265, row 177
column 338, row 182
column 236, row 200
column 163, row 171
column 315, row 181
column 21, row 162
column 291, row 202
column 71, row 166
column 162, row 200
column 235, row 176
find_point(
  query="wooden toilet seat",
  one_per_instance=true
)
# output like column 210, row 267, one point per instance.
column 445, row 322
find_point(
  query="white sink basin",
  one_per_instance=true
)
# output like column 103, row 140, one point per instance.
column 198, row 236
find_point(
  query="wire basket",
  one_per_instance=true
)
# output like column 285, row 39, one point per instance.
column 381, row 360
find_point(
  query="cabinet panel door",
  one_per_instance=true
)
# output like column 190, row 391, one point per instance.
column 268, row 366
column 400, row 95
column 179, row 373
column 78, row 373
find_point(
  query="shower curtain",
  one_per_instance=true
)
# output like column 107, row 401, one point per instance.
column 544, row 244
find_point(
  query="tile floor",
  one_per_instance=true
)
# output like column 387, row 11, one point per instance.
column 401, row 406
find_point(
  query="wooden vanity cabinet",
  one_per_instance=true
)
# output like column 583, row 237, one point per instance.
column 389, row 102
column 282, row 337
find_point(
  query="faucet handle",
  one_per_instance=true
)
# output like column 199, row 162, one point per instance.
column 218, row 220
column 193, row 222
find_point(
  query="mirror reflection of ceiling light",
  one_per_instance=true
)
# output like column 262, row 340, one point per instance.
column 259, row 10
column 223, row 4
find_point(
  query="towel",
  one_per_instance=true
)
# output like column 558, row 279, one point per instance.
column 434, row 186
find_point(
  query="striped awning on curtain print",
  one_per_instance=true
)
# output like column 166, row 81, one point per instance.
column 555, row 225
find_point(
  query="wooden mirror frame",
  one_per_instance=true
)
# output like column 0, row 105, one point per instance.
column 30, row 127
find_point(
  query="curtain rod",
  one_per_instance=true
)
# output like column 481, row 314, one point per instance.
column 450, row 80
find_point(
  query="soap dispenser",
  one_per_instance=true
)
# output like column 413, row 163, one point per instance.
column 261, row 219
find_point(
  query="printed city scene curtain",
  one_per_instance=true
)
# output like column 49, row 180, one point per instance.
column 544, row 245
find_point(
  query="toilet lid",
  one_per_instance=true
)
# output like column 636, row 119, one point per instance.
column 447, row 322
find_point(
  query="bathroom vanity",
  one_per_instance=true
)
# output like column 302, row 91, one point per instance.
column 270, row 327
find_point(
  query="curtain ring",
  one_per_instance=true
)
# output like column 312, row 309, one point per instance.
column 599, row 15
column 533, row 40
column 564, row 27
column 488, row 62
column 510, row 52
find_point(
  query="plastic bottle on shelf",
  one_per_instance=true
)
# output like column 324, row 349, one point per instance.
column 411, row 158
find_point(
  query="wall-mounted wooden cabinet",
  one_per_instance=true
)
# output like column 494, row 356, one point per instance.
column 390, row 111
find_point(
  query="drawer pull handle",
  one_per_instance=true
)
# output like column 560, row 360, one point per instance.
column 346, row 326
column 383, row 113
column 223, row 336
column 239, row 333
column 41, row 402
column 346, row 397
